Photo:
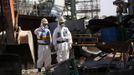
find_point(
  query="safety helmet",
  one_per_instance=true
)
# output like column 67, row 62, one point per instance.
column 61, row 19
column 44, row 21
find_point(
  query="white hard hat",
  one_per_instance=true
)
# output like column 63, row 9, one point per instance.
column 44, row 20
column 61, row 19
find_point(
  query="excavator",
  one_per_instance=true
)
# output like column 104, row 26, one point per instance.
column 14, row 40
column 18, row 44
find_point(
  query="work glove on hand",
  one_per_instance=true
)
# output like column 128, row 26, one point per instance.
column 56, row 47
column 69, row 46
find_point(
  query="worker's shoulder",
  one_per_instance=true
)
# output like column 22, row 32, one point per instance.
column 57, row 28
column 65, row 28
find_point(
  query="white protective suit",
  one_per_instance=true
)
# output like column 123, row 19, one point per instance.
column 62, row 41
column 44, row 42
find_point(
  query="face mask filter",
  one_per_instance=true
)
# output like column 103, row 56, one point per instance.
column 62, row 24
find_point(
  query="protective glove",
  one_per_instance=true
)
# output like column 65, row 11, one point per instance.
column 56, row 47
column 69, row 46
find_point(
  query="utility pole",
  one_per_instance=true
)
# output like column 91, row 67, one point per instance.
column 92, row 14
column 73, row 9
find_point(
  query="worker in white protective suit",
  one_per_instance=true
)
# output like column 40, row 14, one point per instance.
column 62, row 40
column 44, row 40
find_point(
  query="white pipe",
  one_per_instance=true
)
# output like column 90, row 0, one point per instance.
column 58, row 7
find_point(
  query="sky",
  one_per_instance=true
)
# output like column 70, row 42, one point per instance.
column 107, row 7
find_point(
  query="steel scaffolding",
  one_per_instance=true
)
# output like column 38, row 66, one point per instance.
column 82, row 8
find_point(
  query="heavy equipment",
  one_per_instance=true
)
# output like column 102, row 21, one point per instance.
column 13, row 40
column 18, row 45
column 16, row 32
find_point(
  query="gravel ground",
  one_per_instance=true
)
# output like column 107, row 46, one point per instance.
column 29, row 72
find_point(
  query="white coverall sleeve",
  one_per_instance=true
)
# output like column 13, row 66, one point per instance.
column 55, row 37
column 69, row 39
column 37, row 32
column 50, row 37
